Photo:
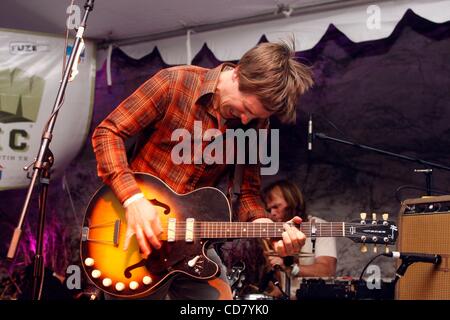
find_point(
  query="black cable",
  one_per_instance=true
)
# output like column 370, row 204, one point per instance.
column 365, row 267
column 435, row 191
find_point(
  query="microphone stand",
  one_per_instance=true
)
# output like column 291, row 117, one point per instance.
column 409, row 260
column 428, row 173
column 270, row 277
column 284, row 295
column 42, row 168
column 391, row 154
column 402, row 270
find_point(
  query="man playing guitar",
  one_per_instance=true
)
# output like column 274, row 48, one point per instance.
column 267, row 81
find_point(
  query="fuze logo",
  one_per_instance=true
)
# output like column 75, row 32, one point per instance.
column 26, row 47
column 20, row 98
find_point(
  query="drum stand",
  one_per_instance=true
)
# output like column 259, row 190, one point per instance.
column 287, row 286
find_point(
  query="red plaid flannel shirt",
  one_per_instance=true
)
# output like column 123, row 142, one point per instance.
column 174, row 98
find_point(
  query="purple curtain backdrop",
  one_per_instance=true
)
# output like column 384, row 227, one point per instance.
column 392, row 94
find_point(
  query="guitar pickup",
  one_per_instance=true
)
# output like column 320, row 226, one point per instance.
column 171, row 230
column 189, row 237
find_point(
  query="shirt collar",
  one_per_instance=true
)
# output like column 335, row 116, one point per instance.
column 207, row 92
column 209, row 86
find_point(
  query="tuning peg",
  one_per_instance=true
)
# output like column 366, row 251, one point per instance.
column 386, row 249
column 385, row 219
column 374, row 218
column 375, row 249
column 363, row 248
column 363, row 215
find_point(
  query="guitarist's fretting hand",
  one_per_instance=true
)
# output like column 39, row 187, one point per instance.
column 143, row 221
column 293, row 239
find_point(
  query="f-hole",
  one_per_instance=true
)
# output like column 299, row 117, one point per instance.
column 160, row 204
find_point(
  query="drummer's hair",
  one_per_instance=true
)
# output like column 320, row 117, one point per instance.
column 291, row 194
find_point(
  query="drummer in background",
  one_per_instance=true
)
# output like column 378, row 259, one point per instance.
column 284, row 200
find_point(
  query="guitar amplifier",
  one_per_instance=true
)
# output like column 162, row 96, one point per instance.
column 424, row 227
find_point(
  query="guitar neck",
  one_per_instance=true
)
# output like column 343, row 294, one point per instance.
column 214, row 230
column 362, row 231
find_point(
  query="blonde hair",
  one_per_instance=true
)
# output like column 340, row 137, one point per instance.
column 271, row 72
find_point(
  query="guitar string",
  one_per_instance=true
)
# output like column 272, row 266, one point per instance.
column 269, row 227
column 270, row 231
column 249, row 229
column 240, row 224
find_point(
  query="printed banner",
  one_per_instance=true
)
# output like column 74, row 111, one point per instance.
column 30, row 75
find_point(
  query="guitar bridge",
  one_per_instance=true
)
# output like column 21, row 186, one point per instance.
column 116, row 232
column 115, row 236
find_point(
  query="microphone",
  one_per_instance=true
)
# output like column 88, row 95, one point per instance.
column 310, row 133
column 415, row 257
column 423, row 170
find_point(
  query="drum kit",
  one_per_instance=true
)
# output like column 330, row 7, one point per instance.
column 311, row 288
column 344, row 288
column 337, row 288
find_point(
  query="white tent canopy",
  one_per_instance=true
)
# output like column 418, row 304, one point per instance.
column 358, row 23
column 180, row 28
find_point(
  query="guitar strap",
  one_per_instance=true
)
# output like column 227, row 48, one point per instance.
column 235, row 177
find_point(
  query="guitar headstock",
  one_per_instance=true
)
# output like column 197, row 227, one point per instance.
column 373, row 231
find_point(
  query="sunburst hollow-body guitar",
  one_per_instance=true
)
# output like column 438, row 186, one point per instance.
column 191, row 222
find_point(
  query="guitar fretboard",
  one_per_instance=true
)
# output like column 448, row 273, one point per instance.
column 381, row 232
column 268, row 230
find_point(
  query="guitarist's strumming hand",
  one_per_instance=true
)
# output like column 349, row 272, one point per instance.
column 293, row 239
column 144, row 222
